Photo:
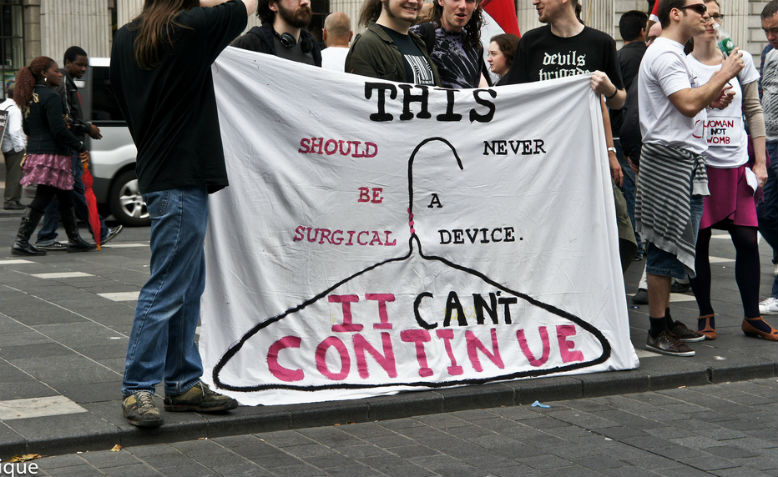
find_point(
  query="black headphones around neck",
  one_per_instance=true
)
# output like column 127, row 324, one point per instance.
column 287, row 41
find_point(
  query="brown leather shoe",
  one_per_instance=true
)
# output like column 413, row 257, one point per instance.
column 750, row 330
column 706, row 326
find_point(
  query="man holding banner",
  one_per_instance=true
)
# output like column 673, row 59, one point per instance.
column 565, row 47
column 161, row 75
column 672, row 179
column 388, row 49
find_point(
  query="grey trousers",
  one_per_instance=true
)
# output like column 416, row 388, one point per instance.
column 13, row 174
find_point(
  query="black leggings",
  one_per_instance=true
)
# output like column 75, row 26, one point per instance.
column 747, row 270
column 44, row 194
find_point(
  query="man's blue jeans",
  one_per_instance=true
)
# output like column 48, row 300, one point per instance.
column 162, row 340
column 767, row 211
column 48, row 232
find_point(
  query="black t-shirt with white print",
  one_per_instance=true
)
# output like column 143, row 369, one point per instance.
column 541, row 55
column 416, row 65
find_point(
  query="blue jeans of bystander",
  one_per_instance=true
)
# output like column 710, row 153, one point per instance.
column 162, row 339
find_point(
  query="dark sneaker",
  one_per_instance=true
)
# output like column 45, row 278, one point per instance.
column 640, row 297
column 200, row 399
column 680, row 287
column 112, row 233
column 685, row 334
column 53, row 246
column 140, row 410
column 667, row 343
column 13, row 206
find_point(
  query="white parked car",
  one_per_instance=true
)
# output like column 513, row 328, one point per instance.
column 113, row 156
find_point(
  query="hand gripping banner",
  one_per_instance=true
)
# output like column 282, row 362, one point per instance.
column 379, row 237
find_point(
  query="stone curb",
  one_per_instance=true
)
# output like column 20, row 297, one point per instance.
column 248, row 419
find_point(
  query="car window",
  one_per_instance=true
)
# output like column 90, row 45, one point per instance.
column 104, row 105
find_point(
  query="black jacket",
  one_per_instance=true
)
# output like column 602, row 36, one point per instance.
column 69, row 91
column 44, row 123
column 373, row 53
column 260, row 39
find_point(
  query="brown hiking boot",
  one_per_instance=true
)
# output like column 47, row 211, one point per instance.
column 140, row 410
column 200, row 398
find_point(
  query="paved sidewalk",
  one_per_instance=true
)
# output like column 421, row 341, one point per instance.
column 722, row 430
column 65, row 318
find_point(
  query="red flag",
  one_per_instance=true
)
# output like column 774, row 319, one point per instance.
column 654, row 13
column 91, row 202
column 504, row 13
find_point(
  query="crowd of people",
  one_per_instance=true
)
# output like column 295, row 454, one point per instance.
column 688, row 144
column 695, row 104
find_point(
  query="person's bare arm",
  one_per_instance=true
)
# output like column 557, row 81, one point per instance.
column 613, row 161
column 691, row 101
column 614, row 97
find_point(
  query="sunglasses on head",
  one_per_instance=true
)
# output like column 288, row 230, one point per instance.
column 697, row 7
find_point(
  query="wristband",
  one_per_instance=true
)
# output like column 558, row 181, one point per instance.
column 615, row 92
column 612, row 149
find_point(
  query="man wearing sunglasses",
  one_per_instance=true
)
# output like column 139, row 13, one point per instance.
column 672, row 180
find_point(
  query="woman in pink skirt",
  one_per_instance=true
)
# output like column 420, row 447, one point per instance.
column 732, row 183
column 47, row 163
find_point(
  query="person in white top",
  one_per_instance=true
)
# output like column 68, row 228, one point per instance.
column 732, row 183
column 672, row 177
column 336, row 34
column 14, row 143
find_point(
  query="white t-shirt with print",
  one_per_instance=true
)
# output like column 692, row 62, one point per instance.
column 663, row 72
column 725, row 131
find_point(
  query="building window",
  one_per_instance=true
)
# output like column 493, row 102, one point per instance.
column 320, row 8
column 11, row 41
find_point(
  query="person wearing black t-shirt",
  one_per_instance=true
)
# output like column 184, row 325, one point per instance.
column 565, row 47
column 161, row 76
column 388, row 49
column 283, row 32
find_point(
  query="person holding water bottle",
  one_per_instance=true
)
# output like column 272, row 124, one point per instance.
column 732, row 181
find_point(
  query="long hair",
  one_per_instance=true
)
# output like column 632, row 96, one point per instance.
column 27, row 77
column 156, row 23
column 371, row 10
column 472, row 29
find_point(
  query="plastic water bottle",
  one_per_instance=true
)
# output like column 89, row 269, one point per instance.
column 724, row 41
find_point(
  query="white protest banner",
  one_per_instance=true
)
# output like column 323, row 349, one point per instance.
column 379, row 237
